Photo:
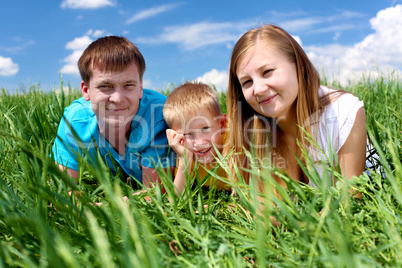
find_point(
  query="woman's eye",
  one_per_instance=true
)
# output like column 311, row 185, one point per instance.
column 205, row 128
column 246, row 83
column 187, row 135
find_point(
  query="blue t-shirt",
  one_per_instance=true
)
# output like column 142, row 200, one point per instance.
column 148, row 145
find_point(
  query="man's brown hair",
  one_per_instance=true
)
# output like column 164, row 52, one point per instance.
column 111, row 54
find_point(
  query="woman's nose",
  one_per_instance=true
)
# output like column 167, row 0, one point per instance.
column 260, row 87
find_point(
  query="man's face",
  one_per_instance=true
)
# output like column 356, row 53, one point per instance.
column 114, row 97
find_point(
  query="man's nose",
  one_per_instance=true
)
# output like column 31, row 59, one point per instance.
column 117, row 95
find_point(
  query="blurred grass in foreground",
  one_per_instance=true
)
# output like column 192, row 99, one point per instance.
column 41, row 225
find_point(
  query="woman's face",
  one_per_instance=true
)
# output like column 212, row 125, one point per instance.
column 269, row 82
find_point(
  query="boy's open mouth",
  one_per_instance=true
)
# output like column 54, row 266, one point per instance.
column 203, row 152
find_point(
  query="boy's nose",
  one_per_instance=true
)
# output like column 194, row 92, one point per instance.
column 199, row 141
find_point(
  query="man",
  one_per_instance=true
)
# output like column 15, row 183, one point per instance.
column 115, row 115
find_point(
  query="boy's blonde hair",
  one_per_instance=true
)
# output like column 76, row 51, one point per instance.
column 182, row 103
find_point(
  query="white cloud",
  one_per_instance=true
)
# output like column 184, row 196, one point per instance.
column 147, row 84
column 194, row 36
column 22, row 45
column 216, row 78
column 7, row 67
column 149, row 13
column 379, row 51
column 298, row 39
column 334, row 50
column 97, row 33
column 78, row 45
column 71, row 63
column 319, row 24
column 336, row 36
column 66, row 90
column 86, row 4
column 335, row 28
column 300, row 24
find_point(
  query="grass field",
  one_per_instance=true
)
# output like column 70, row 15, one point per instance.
column 41, row 225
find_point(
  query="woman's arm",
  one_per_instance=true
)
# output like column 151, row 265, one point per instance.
column 352, row 155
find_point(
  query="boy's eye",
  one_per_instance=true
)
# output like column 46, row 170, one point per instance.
column 267, row 71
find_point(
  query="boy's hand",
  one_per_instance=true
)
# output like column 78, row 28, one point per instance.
column 176, row 141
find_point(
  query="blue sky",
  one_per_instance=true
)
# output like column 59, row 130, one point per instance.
column 192, row 40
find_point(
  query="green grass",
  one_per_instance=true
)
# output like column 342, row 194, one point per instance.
column 41, row 225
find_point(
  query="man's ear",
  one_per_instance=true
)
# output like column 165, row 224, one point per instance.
column 85, row 90
column 141, row 88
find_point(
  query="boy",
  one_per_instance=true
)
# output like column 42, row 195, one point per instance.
column 115, row 115
column 192, row 111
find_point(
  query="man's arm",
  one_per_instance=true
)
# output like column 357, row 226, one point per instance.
column 70, row 172
column 150, row 177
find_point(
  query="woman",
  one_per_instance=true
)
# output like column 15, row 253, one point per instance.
column 275, row 100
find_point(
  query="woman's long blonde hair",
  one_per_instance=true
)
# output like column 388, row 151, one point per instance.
column 244, row 119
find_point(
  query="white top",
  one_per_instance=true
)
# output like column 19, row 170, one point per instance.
column 333, row 127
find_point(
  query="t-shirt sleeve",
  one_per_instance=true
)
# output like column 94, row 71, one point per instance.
column 74, row 135
column 336, row 122
column 65, row 148
column 348, row 106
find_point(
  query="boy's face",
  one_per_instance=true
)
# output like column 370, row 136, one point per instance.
column 201, row 132
column 114, row 97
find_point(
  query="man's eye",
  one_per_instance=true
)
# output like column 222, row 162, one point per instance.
column 103, row 87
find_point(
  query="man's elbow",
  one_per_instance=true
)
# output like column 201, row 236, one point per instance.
column 70, row 172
